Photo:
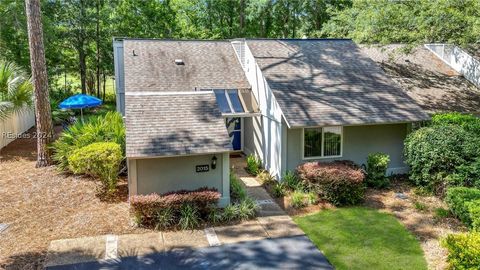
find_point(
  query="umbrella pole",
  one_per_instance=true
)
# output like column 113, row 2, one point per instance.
column 81, row 114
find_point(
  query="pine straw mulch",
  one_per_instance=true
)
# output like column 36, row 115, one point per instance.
column 41, row 205
column 424, row 224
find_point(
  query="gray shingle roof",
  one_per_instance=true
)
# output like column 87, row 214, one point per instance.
column 208, row 64
column 166, row 125
column 331, row 82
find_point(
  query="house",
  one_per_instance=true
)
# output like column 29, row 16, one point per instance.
column 188, row 104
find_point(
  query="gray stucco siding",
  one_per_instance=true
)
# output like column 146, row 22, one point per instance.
column 161, row 175
column 358, row 142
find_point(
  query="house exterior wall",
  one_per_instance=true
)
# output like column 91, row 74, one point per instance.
column 358, row 142
column 119, row 75
column 263, row 134
column 14, row 125
column 161, row 175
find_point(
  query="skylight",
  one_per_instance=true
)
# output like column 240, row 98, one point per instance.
column 228, row 101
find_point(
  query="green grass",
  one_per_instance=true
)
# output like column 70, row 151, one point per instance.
column 362, row 238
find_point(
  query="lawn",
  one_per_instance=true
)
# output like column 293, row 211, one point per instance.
column 363, row 238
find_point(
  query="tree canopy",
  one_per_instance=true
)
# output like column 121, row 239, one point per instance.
column 78, row 33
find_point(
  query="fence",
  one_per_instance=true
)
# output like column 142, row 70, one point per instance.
column 12, row 127
column 459, row 60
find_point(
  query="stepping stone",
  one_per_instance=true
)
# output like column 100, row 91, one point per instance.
column 245, row 231
column 262, row 202
column 402, row 196
column 3, row 227
column 140, row 244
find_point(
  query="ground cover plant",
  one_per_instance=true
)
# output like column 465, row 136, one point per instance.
column 362, row 238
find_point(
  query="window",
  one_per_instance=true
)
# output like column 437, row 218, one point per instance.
column 322, row 142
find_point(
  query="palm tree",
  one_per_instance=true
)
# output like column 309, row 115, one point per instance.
column 15, row 90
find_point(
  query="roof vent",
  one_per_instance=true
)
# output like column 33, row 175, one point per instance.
column 179, row 62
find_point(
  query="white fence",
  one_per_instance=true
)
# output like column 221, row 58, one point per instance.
column 459, row 60
column 12, row 127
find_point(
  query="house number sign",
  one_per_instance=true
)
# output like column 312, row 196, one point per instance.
column 202, row 168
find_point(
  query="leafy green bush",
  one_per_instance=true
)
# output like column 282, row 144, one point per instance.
column 237, row 190
column 474, row 213
column 189, row 217
column 246, row 209
column 229, row 213
column 215, row 216
column 340, row 182
column 253, row 164
column 100, row 160
column 436, row 153
column 104, row 128
column 463, row 250
column 377, row 165
column 467, row 121
column 458, row 199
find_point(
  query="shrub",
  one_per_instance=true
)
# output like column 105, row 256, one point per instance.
column 311, row 198
column 442, row 213
column 377, row 165
column 265, row 177
column 434, row 153
column 104, row 128
column 237, row 190
column 298, row 199
column 474, row 214
column 467, row 121
column 189, row 216
column 146, row 207
column 463, row 250
column 165, row 218
column 340, row 182
column 292, row 181
column 215, row 216
column 230, row 213
column 420, row 206
column 246, row 209
column 458, row 199
column 279, row 190
column 253, row 164
column 100, row 160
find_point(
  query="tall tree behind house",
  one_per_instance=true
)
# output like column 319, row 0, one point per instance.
column 40, row 82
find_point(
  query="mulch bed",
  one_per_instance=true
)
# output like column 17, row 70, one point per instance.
column 43, row 204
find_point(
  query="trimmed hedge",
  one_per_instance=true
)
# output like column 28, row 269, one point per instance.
column 146, row 207
column 100, row 160
column 463, row 250
column 377, row 165
column 340, row 182
column 463, row 202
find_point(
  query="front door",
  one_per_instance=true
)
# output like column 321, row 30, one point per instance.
column 234, row 127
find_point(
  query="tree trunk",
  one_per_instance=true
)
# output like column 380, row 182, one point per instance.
column 82, row 56
column 98, row 48
column 43, row 114
column 104, row 84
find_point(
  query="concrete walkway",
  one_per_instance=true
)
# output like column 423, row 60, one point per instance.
column 272, row 236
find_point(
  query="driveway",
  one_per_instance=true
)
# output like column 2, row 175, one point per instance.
column 295, row 252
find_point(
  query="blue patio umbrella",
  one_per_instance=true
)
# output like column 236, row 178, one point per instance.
column 81, row 102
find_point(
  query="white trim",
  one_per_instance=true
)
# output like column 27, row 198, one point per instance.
column 323, row 148
column 180, row 155
column 154, row 93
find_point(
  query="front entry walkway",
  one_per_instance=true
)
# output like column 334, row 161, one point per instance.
column 272, row 241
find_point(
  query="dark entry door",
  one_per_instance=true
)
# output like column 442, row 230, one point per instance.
column 234, row 127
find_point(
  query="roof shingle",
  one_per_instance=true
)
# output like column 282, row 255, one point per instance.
column 150, row 66
column 168, row 125
column 330, row 82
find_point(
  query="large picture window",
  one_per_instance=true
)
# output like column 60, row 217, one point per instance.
column 322, row 142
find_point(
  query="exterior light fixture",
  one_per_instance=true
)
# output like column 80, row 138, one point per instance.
column 214, row 162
